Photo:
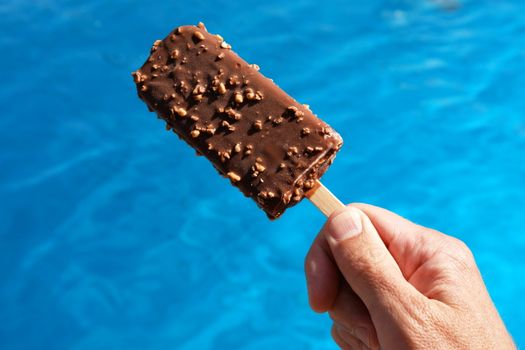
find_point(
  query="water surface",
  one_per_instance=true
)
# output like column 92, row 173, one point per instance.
column 113, row 235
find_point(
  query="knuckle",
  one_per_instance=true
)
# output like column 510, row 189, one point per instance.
column 345, row 320
column 337, row 338
column 350, row 314
column 460, row 252
column 458, row 262
column 339, row 317
column 463, row 248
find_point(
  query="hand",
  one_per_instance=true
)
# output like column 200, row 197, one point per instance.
column 388, row 283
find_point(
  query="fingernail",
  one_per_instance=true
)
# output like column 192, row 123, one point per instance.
column 363, row 334
column 345, row 225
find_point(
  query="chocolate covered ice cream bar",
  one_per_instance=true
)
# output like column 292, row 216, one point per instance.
column 271, row 147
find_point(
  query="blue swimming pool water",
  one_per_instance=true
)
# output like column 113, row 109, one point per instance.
column 114, row 236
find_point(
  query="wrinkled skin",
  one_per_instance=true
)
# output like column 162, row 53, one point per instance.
column 388, row 283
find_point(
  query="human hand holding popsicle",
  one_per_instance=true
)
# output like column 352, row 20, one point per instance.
column 388, row 283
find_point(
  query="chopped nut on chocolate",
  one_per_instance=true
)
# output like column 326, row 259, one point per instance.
column 224, row 155
column 254, row 66
column 183, row 87
column 201, row 26
column 220, row 56
column 277, row 120
column 237, row 147
column 233, row 176
column 227, row 125
column 305, row 131
column 286, row 197
column 225, row 45
column 296, row 198
column 233, row 80
column 296, row 112
column 308, row 184
column 221, row 89
column 195, row 133
column 309, row 149
column 259, row 167
column 156, row 45
column 215, row 82
column 199, row 89
column 238, row 97
column 232, row 113
column 139, row 77
column 194, row 117
column 179, row 111
column 250, row 94
column 282, row 165
column 257, row 125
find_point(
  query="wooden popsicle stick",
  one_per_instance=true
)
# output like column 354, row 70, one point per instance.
column 324, row 200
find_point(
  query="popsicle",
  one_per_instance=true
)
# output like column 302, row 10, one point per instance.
column 271, row 147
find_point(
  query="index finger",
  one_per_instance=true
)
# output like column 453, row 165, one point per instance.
column 322, row 275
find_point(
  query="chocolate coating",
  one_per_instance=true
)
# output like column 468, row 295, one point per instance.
column 271, row 147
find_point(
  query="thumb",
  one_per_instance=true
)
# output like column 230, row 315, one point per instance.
column 365, row 262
